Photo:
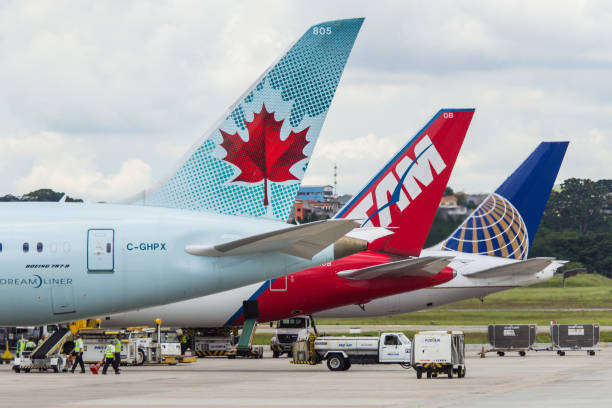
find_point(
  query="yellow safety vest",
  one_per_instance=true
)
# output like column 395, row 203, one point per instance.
column 78, row 345
column 117, row 346
column 20, row 345
column 30, row 344
column 110, row 351
column 183, row 339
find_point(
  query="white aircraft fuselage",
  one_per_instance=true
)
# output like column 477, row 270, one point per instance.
column 61, row 261
column 462, row 287
column 216, row 310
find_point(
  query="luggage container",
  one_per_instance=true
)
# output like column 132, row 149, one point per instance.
column 574, row 337
column 518, row 338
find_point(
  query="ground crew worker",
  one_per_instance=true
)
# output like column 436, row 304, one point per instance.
column 41, row 340
column 30, row 345
column 184, row 344
column 78, row 353
column 109, row 357
column 117, row 357
column 20, row 346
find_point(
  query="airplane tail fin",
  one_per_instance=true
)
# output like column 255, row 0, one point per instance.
column 506, row 222
column 405, row 194
column 253, row 159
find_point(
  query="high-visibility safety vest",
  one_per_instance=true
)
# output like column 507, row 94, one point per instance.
column 30, row 344
column 20, row 345
column 117, row 346
column 110, row 351
column 40, row 341
column 183, row 339
column 78, row 345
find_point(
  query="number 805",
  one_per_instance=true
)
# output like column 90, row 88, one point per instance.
column 321, row 30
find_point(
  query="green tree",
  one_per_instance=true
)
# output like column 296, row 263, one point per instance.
column 448, row 191
column 577, row 206
column 461, row 199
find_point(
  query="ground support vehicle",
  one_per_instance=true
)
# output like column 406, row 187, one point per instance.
column 517, row 338
column 46, row 356
column 574, row 337
column 214, row 342
column 96, row 340
column 289, row 331
column 439, row 353
column 225, row 341
column 157, row 346
column 341, row 352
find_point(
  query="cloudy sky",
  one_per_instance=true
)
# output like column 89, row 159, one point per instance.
column 100, row 99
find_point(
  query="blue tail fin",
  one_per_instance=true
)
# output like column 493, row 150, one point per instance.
column 253, row 159
column 507, row 221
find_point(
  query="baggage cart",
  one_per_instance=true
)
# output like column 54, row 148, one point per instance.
column 518, row 338
column 574, row 337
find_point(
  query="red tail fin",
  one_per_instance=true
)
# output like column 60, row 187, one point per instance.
column 407, row 191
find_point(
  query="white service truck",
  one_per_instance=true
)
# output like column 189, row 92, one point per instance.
column 439, row 353
column 341, row 352
column 289, row 331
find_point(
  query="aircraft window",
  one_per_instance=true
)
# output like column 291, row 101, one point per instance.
column 26, row 247
column 0, row 246
column 39, row 247
column 108, row 248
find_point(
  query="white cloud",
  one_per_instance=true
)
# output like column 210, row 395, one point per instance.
column 69, row 164
column 95, row 92
column 70, row 175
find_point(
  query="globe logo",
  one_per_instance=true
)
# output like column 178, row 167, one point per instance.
column 495, row 229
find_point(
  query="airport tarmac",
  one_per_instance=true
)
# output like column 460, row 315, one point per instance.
column 539, row 379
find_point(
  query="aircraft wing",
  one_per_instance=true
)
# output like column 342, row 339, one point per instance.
column 304, row 241
column 421, row 267
column 527, row 267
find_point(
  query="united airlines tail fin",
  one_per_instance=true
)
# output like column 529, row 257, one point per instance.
column 507, row 221
column 406, row 193
column 253, row 159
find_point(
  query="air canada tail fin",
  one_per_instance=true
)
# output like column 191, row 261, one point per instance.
column 253, row 159
column 406, row 193
column 507, row 221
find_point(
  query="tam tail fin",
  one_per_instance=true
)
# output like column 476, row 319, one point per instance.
column 253, row 159
column 506, row 222
column 406, row 193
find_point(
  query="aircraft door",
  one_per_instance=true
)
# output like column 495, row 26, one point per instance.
column 279, row 284
column 101, row 250
column 63, row 299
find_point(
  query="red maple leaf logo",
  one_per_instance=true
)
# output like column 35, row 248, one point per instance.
column 264, row 156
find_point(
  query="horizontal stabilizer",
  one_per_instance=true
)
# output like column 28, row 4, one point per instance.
column 369, row 234
column 528, row 267
column 417, row 267
column 304, row 241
